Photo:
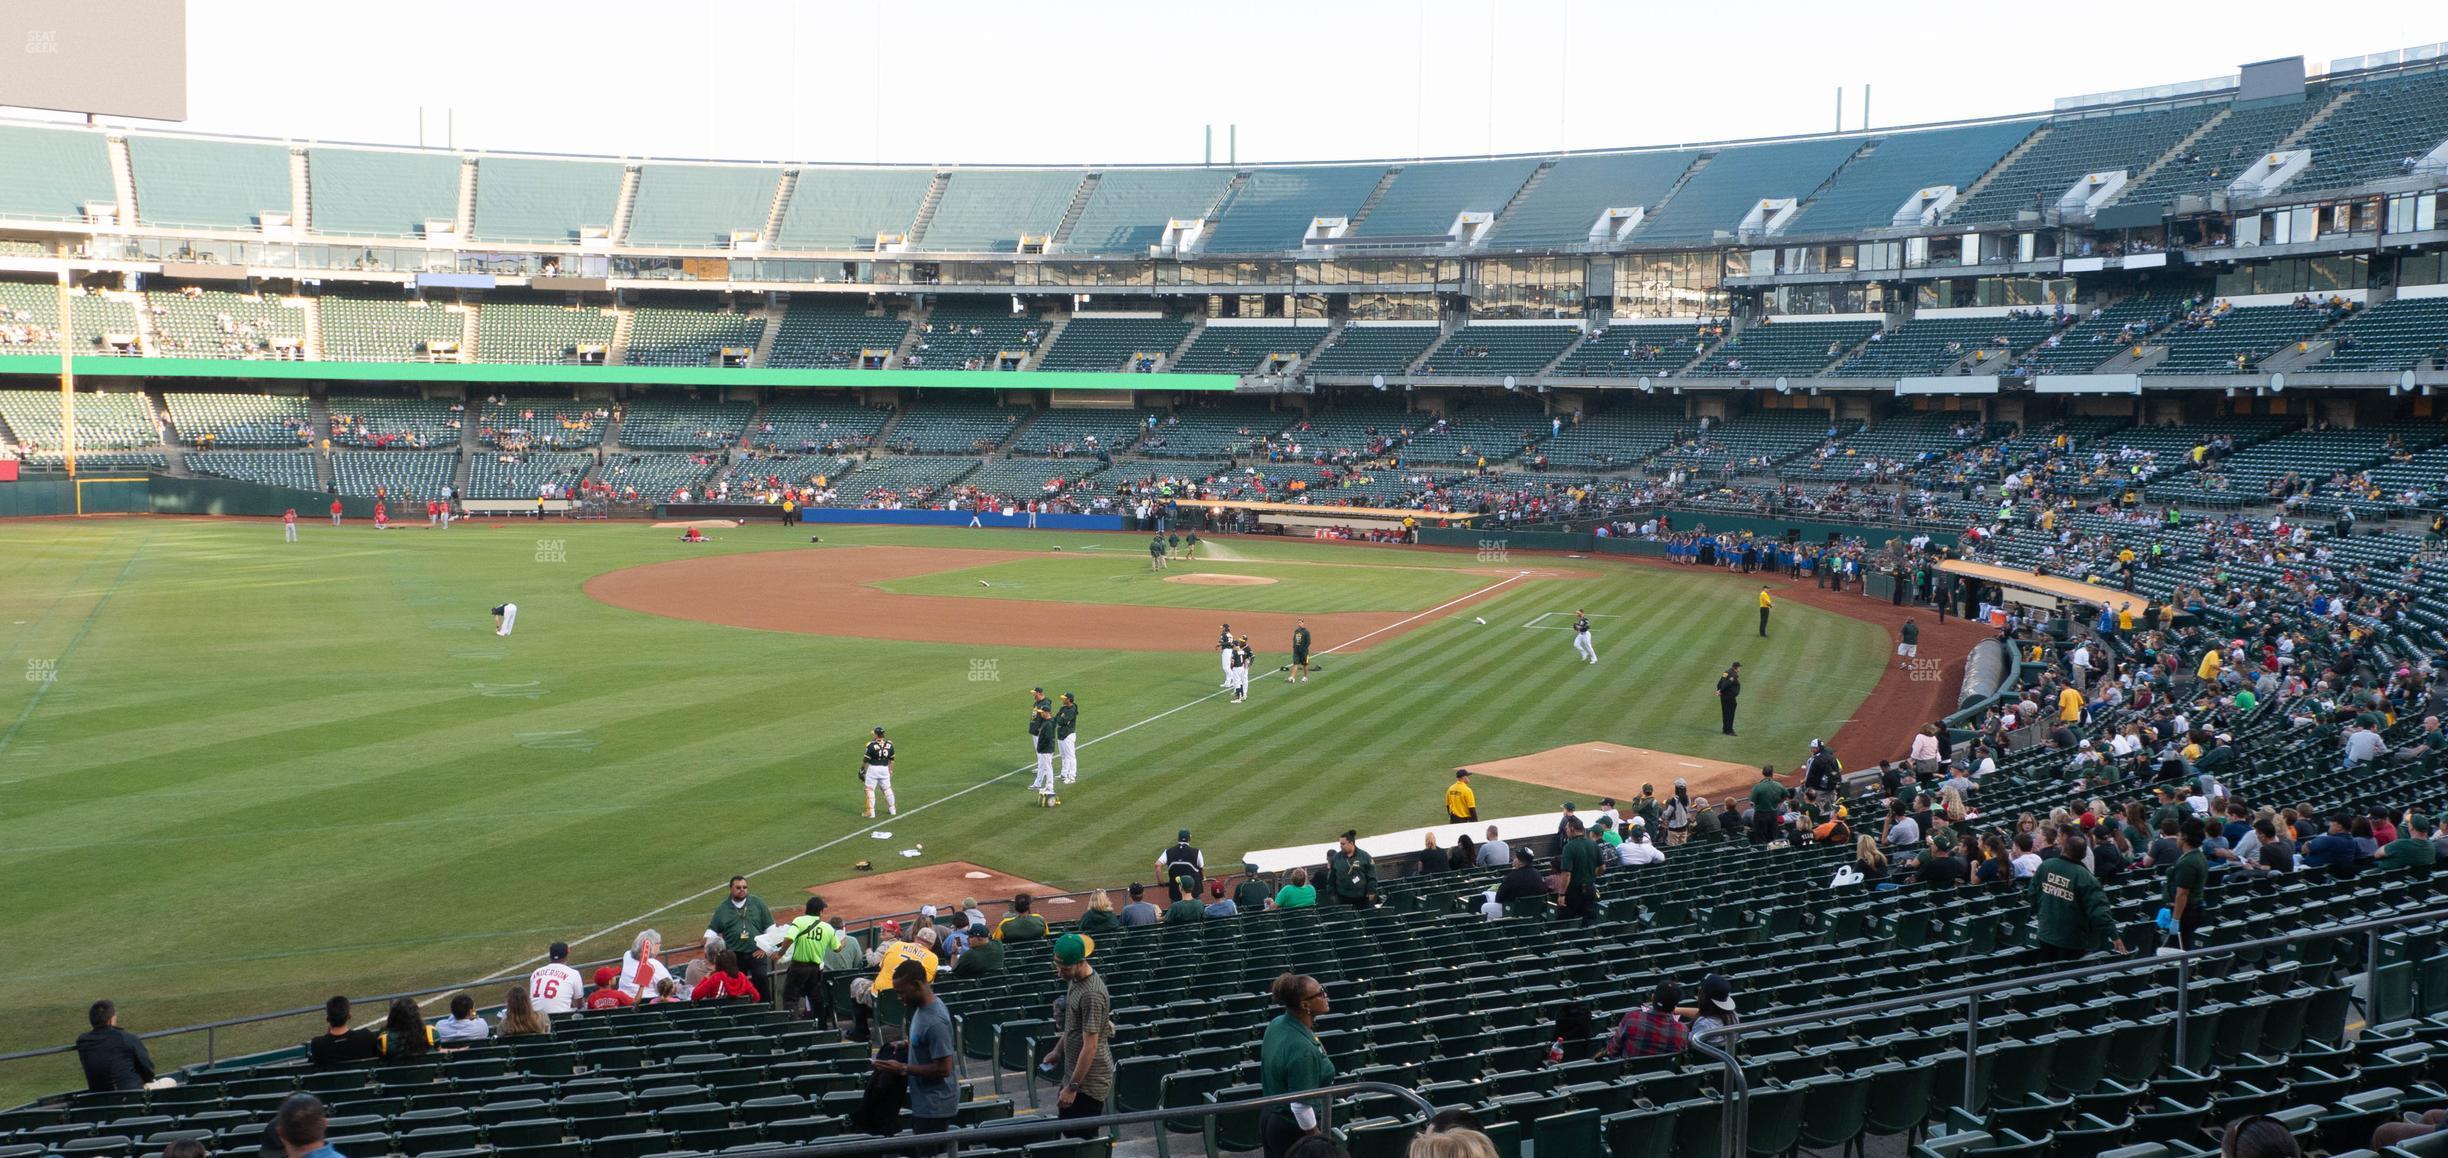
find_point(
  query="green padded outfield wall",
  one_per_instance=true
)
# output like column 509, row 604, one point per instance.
column 47, row 365
column 205, row 495
column 52, row 495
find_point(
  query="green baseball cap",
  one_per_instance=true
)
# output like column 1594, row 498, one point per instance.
column 1073, row 948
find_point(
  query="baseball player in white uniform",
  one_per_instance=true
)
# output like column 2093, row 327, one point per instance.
column 1581, row 637
column 1224, row 654
column 555, row 987
column 505, row 617
column 875, row 770
column 1066, row 738
column 1236, row 671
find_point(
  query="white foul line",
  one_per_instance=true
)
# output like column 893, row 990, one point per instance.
column 946, row 799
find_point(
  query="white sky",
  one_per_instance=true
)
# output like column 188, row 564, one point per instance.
column 1115, row 81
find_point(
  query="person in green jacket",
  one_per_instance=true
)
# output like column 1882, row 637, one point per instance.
column 1100, row 918
column 738, row 920
column 2413, row 848
column 1291, row 1059
column 983, row 957
column 1299, row 894
column 1351, row 872
column 2068, row 907
column 1184, row 910
column 1020, row 924
column 1767, row 794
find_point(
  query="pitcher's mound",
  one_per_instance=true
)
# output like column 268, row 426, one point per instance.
column 1208, row 579
column 1619, row 770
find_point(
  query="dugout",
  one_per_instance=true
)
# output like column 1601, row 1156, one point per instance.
column 1311, row 519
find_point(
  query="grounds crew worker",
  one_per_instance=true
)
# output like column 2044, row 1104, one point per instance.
column 808, row 940
column 2069, row 912
column 1184, row 863
column 1460, row 802
column 1729, row 689
column 1352, row 872
column 1765, row 604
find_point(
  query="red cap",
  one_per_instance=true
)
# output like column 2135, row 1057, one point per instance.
column 604, row 975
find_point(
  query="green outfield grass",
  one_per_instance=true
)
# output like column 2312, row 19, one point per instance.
column 239, row 775
column 1313, row 587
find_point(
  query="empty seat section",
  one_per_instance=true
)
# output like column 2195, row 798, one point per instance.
column 106, row 422
column 1717, row 196
column 383, row 423
column 542, row 333
column 526, row 475
column 1026, row 479
column 1129, row 209
column 104, row 324
column 205, row 421
column 53, row 174
column 1096, row 342
column 2213, row 162
column 292, row 469
column 990, row 210
column 952, row 426
column 2115, row 330
column 186, row 182
column 1792, row 348
column 2404, row 334
column 399, row 475
column 550, row 422
column 2235, row 340
column 2072, row 149
column 1208, row 431
column 206, row 323
column 366, row 329
column 1634, row 349
column 1272, row 208
column 1501, row 348
column 1752, row 443
column 655, row 477
column 366, row 193
column 1946, row 345
column 1081, row 430
column 657, row 423
column 679, row 332
column 901, row 479
column 1424, row 200
column 1569, row 199
column 1868, row 191
column 538, row 201
column 700, row 206
column 1381, row 348
column 774, row 471
column 807, row 425
column 825, row 334
column 976, row 335
column 1614, row 438
column 1495, row 429
column 1235, row 348
column 849, row 208
column 2369, row 137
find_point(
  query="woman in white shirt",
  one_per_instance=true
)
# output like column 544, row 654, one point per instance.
column 642, row 966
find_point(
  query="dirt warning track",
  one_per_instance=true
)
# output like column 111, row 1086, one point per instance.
column 830, row 591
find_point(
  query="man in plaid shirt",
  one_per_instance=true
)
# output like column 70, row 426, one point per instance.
column 1651, row 1029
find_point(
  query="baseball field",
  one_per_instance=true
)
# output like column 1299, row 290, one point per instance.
column 238, row 774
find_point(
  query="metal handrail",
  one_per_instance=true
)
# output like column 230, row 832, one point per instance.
column 950, row 1142
column 1737, row 1126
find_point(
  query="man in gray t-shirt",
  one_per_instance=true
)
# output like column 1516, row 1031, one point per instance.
column 1138, row 911
column 934, row 1095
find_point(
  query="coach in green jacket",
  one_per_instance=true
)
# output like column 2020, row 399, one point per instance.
column 2071, row 912
column 1351, row 874
column 738, row 919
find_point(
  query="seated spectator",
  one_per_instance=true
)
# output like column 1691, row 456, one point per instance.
column 642, row 966
column 1020, row 924
column 1707, row 823
column 2412, row 849
column 1299, row 894
column 1253, row 894
column 1431, row 858
column 1652, row 1029
column 2414, row 1126
column 607, row 994
column 666, row 992
column 519, row 1017
column 463, row 1026
column 1450, row 1143
column 729, row 980
column 340, row 1045
column 1524, row 881
column 1100, row 918
column 1218, row 904
column 1941, row 866
column 1868, row 860
column 405, row 1035
column 2259, row 1136
column 983, row 957
column 2334, row 849
column 299, row 1125
column 1140, row 911
column 1493, row 852
column 1902, row 829
column 114, row 1059
column 1639, row 850
column 1184, row 910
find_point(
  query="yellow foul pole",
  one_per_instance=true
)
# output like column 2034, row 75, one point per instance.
column 67, row 376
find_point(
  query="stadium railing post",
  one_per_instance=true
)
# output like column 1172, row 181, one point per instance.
column 2184, row 1003
column 1971, row 1086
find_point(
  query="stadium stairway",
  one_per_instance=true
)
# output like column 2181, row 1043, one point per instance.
column 926, row 209
column 767, row 335
column 2013, row 157
column 1053, row 331
column 624, row 325
column 173, row 444
column 469, row 447
column 1496, row 224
